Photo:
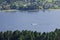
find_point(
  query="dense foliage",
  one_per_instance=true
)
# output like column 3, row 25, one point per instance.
column 29, row 4
column 30, row 35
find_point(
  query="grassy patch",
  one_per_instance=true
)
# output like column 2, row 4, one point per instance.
column 49, row 0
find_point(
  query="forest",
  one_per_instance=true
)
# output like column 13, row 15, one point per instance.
column 29, row 4
column 30, row 35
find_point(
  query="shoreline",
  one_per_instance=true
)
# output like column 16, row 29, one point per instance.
column 19, row 10
column 9, row 10
column 25, row 10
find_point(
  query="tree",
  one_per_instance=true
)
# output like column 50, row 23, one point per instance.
column 1, row 36
column 7, row 35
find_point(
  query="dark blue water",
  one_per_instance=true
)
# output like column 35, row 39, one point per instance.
column 35, row 21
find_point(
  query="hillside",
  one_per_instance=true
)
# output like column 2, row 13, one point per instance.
column 29, row 4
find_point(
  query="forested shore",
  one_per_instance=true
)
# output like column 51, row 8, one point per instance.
column 30, row 35
column 29, row 4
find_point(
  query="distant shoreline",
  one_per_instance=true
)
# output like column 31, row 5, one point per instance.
column 9, row 10
column 25, row 10
column 18, row 10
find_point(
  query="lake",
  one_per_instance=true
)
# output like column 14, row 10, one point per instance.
column 35, row 21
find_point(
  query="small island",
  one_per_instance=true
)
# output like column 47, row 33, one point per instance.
column 24, row 5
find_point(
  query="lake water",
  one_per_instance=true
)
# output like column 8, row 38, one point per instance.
column 35, row 21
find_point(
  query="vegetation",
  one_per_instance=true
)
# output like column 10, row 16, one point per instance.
column 30, row 35
column 29, row 4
